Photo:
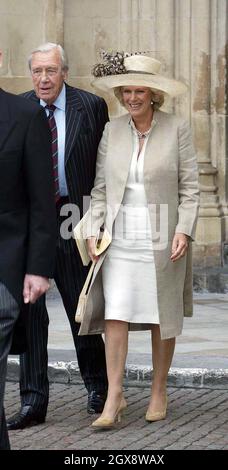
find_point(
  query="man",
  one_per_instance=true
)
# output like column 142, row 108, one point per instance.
column 80, row 118
column 27, row 218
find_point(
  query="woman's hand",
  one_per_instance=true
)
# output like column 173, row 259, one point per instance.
column 179, row 246
column 91, row 244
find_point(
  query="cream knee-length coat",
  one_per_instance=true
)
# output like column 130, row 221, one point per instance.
column 171, row 186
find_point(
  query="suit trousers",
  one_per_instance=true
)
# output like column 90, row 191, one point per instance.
column 69, row 276
column 9, row 312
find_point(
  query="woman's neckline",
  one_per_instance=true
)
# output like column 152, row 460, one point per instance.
column 142, row 135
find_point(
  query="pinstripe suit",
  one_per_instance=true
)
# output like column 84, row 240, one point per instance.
column 9, row 311
column 86, row 115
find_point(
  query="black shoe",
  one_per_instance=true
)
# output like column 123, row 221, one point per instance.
column 27, row 416
column 96, row 402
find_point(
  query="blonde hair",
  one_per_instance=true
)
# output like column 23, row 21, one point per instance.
column 156, row 96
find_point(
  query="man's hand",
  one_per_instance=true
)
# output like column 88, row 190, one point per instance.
column 34, row 287
column 179, row 246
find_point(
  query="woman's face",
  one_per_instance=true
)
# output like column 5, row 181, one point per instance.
column 137, row 100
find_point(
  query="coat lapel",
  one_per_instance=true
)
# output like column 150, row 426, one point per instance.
column 120, row 157
column 158, row 155
column 74, row 119
column 31, row 95
column 153, row 149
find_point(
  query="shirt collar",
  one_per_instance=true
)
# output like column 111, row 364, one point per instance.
column 60, row 101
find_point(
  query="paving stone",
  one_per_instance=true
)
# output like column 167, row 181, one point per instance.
column 195, row 421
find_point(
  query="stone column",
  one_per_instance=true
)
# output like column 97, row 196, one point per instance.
column 205, row 24
column 54, row 21
column 148, row 26
column 219, row 120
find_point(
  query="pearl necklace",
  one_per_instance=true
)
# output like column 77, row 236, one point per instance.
column 142, row 135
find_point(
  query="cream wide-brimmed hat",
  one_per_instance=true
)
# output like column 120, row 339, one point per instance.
column 135, row 70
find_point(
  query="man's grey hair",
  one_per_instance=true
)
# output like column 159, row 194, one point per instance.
column 47, row 47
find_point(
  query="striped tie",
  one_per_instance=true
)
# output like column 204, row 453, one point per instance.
column 54, row 146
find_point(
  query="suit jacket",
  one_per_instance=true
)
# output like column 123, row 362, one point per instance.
column 27, row 210
column 171, row 182
column 86, row 115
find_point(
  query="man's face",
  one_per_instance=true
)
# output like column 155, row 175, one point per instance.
column 47, row 75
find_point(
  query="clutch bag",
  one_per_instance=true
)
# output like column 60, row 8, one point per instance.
column 82, row 301
column 103, row 241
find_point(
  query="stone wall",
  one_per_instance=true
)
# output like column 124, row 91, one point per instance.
column 188, row 36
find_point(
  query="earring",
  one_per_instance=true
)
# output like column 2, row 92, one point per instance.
column 152, row 102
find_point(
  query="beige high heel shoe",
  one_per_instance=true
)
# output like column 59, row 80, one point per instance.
column 157, row 415
column 108, row 423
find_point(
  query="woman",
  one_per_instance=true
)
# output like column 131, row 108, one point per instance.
column 146, row 196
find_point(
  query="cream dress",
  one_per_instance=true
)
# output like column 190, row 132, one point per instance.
column 128, row 271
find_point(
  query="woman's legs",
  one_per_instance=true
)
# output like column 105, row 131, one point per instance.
column 162, row 354
column 116, row 346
